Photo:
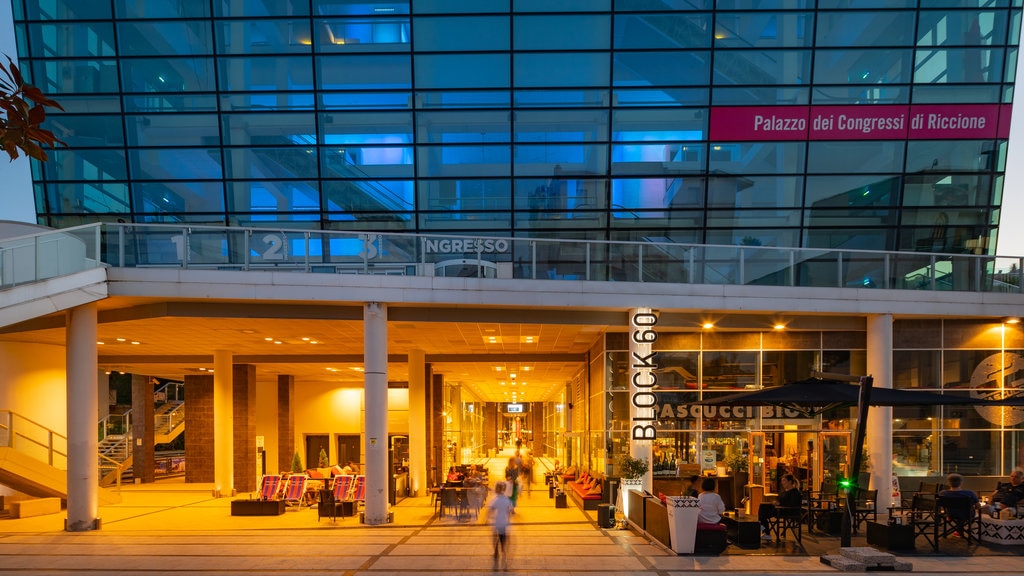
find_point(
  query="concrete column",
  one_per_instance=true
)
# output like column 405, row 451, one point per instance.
column 243, row 417
column 83, row 476
column 375, row 343
column 223, row 471
column 143, row 423
column 879, row 430
column 285, row 422
column 417, row 423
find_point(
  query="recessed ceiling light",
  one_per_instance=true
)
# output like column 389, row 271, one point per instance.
column 780, row 326
column 269, row 339
column 305, row 339
column 708, row 325
column 100, row 343
column 120, row 339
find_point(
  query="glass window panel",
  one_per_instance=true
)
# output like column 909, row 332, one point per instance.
column 368, row 195
column 360, row 7
column 135, row 9
column 762, row 67
column 746, row 234
column 661, row 68
column 555, row 225
column 269, row 129
column 763, row 29
column 849, row 217
column 145, row 38
column 754, row 158
column 89, row 103
column 463, row 127
column 764, row 4
column 366, row 100
column 85, row 164
column 273, row 195
column 240, row 8
column 952, row 155
column 368, row 161
column 784, row 217
column 366, row 128
column 860, row 238
column 967, row 28
column 205, row 219
column 865, row 28
column 561, row 69
column 967, row 3
column 87, row 131
column 659, row 158
column 458, row 6
column 733, row 370
column 295, row 244
column 852, row 190
column 659, row 125
column 470, row 195
column 272, row 163
column 663, row 5
column 364, row 72
column 173, row 130
column 263, row 37
column 463, row 99
column 487, row 160
column 168, row 75
column 561, row 125
column 176, row 164
column 95, row 39
column 561, row 191
column 866, row 4
column 90, row 197
column 158, row 197
column 363, row 35
column 755, row 192
column 1010, row 73
column 657, row 193
column 563, row 98
column 562, row 5
column 951, row 221
column 862, row 94
column 830, row 157
column 461, row 33
column 67, row 10
column 946, row 93
column 263, row 73
column 665, row 31
column 375, row 222
column 542, row 159
column 662, row 97
column 588, row 32
column 975, row 65
column 763, row 96
column 862, row 66
column 268, row 101
column 947, row 190
column 75, row 76
column 462, row 70
column 465, row 222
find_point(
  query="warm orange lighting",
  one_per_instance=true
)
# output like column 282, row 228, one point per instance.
column 1011, row 320
column 780, row 326
column 708, row 325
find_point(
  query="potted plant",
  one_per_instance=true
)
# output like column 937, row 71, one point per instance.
column 740, row 466
column 322, row 459
column 632, row 471
column 297, row 463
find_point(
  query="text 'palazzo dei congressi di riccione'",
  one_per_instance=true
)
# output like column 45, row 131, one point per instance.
column 876, row 124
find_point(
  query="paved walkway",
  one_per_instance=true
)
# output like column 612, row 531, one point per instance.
column 174, row 528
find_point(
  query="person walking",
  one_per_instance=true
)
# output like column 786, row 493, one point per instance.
column 499, row 514
column 512, row 478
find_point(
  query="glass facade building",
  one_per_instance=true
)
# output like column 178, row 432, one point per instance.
column 877, row 124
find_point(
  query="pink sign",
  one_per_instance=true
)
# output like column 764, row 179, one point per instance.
column 865, row 122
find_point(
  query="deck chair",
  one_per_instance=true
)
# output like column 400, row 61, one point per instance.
column 270, row 486
column 955, row 515
column 343, row 486
column 295, row 489
column 359, row 489
column 864, row 507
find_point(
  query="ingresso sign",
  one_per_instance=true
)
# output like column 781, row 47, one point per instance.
column 463, row 245
column 643, row 400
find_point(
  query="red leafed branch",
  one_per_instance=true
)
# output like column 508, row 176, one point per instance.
column 22, row 113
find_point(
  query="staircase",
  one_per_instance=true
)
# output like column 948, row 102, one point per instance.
column 115, row 445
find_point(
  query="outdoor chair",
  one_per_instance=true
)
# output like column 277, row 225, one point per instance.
column 359, row 489
column 923, row 518
column 821, row 504
column 343, row 487
column 864, row 507
column 787, row 518
column 295, row 489
column 270, row 486
column 955, row 515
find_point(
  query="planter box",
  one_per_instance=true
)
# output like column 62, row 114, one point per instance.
column 257, row 507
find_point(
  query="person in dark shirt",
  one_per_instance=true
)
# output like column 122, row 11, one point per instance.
column 1007, row 495
column 691, row 490
column 789, row 497
column 955, row 482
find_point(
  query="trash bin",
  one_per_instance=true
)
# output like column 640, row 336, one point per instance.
column 604, row 515
column 682, row 522
column 560, row 500
column 551, row 490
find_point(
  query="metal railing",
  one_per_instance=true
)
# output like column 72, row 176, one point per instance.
column 33, row 439
column 324, row 251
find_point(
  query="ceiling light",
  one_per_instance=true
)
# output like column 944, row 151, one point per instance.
column 135, row 342
column 268, row 339
column 277, row 341
column 780, row 326
column 708, row 325
column 120, row 339
column 1011, row 320
column 305, row 339
column 100, row 343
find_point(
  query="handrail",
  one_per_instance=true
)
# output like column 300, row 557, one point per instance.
column 33, row 439
column 115, row 466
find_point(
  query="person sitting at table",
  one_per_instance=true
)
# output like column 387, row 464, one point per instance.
column 711, row 504
column 1007, row 495
column 454, row 476
column 955, row 482
column 789, row 497
column 350, row 469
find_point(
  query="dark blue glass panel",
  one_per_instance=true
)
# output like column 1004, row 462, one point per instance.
column 562, row 5
column 952, row 155
column 188, row 38
column 75, row 76
column 977, row 65
column 360, row 7
column 240, row 8
column 763, row 67
column 866, row 4
column 268, row 101
column 662, row 68
column 136, row 9
column 967, row 3
column 970, row 28
column 92, row 39
column 368, row 195
column 545, row 159
column 561, row 126
column 176, row 164
column 363, row 35
column 862, row 28
column 466, row 222
column 171, row 103
column 92, row 131
column 663, row 5
column 462, row 71
column 766, row 237
column 959, row 93
column 753, row 95
column 66, row 10
column 374, row 222
column 364, row 72
column 269, row 129
column 90, row 104
column 665, row 124
column 259, row 73
column 561, row 191
column 755, row 191
column 561, row 69
column 862, row 66
column 947, row 190
column 88, row 197
column 463, row 127
column 659, row 158
column 168, row 75
column 665, row 31
column 837, row 157
column 268, row 195
column 742, row 218
column 851, row 191
column 159, row 130
column 657, row 194
column 565, row 98
column 757, row 158
column 662, row 97
column 862, row 94
column 366, row 100
column 764, row 30
column 156, row 197
column 458, row 6
column 562, row 32
column 764, row 4
column 342, row 128
column 271, row 162
column 264, row 37
column 463, row 99
column 85, row 164
column 464, row 194
column 367, row 162
column 487, row 160
column 461, row 33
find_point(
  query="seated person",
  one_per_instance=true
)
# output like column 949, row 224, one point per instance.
column 454, row 476
column 955, row 482
column 789, row 497
column 711, row 505
column 1007, row 495
column 691, row 485
column 350, row 469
